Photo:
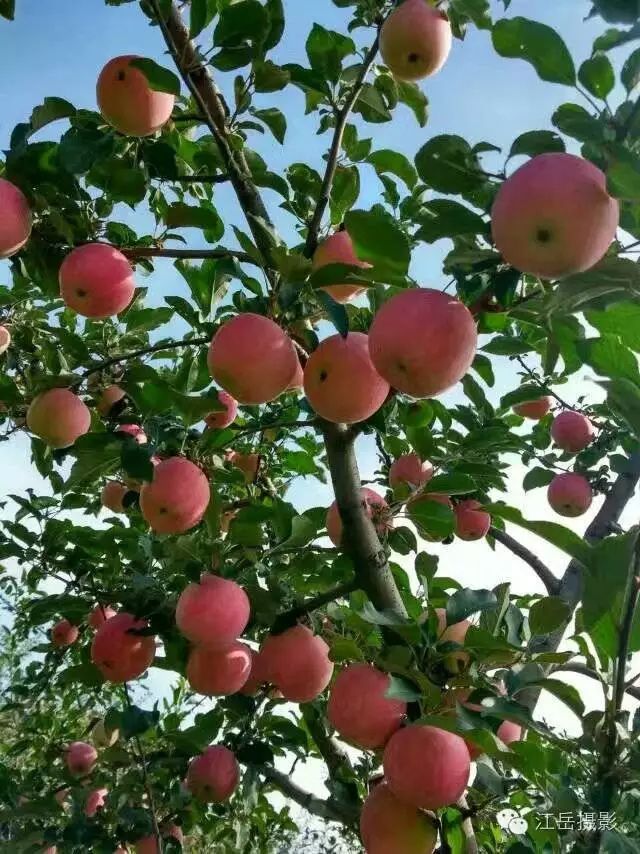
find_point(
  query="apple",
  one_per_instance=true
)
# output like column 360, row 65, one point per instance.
column 119, row 651
column 390, row 826
column 58, row 417
column 409, row 471
column 570, row 494
column 213, row 612
column 534, row 409
column 219, row 671
column 110, row 396
column 572, row 431
column 95, row 801
column 213, row 776
column 338, row 249
column 375, row 507
column 472, row 522
column 554, row 217
column 415, row 40
column 112, row 495
column 128, row 103
column 454, row 662
column 221, row 418
column 100, row 615
column 96, row 281
column 64, row 634
column 16, row 221
column 5, row 339
column 177, row 497
column 80, row 758
column 297, row 662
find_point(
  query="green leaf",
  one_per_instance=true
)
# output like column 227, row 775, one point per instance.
column 475, row 10
column 463, row 603
column 8, row 9
column 559, row 536
column 445, row 218
column 568, row 694
column 336, row 311
column 413, row 96
column 433, row 519
column 202, row 13
column 448, row 164
column 537, row 44
column 536, row 142
column 326, row 50
column 623, row 175
column 303, row 531
column 275, row 10
column 609, row 357
column 136, row 460
column 597, row 75
column 548, row 614
column 451, row 484
column 614, row 38
column 159, row 79
column 402, row 689
column 621, row 319
column 274, row 120
column 630, row 74
column 504, row 345
column 483, row 367
column 344, row 192
column 617, row 11
column 612, row 280
column 575, row 121
column 525, row 393
column 206, row 217
column 244, row 21
column 623, row 396
column 378, row 239
column 135, row 721
column 536, row 477
column 615, row 842
column 395, row 163
column 269, row 77
column 96, row 455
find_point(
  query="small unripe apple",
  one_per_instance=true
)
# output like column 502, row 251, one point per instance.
column 570, row 494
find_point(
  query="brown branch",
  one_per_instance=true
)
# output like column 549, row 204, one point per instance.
column 471, row 844
column 200, row 179
column 330, row 810
column 135, row 252
column 289, row 618
column 200, row 83
column 334, row 151
column 144, row 351
column 542, row 571
column 335, row 757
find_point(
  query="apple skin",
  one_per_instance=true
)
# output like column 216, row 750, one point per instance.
column 213, row 612
column 415, row 40
column 472, row 522
column 127, row 102
column 149, row 844
column 64, row 634
column 375, row 507
column 338, row 249
column 80, row 758
column 454, row 662
column 100, row 615
column 340, row 381
column 252, row 358
column 390, row 826
column 177, row 498
column 96, row 281
column 533, row 409
column 219, row 671
column 409, row 470
column 297, row 662
column 426, row 767
column 112, row 495
column 118, row 652
column 572, row 431
column 423, row 341
column 570, row 494
column 111, row 395
column 212, row 777
column 5, row 339
column 16, row 220
column 221, row 418
column 554, row 217
column 359, row 710
column 58, row 417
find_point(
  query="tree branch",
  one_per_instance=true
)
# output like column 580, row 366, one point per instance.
column 335, row 757
column 471, row 844
column 329, row 809
column 200, row 179
column 542, row 571
column 210, row 103
column 144, row 351
column 289, row 618
column 135, row 252
column 334, row 151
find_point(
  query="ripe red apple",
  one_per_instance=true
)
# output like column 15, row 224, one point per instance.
column 415, row 40
column 128, row 103
column 113, row 492
column 359, row 710
column 5, row 339
column 15, row 223
column 570, row 494
column 297, row 662
column 96, row 281
column 118, row 652
column 248, row 464
column 213, row 776
column 149, row 844
column 340, row 381
column 252, row 358
column 223, row 417
column 472, row 523
column 454, row 662
column 534, row 409
column 572, row 431
column 58, row 417
column 100, row 615
column 426, row 767
column 213, row 612
column 257, row 676
column 111, row 395
column 390, row 826
column 64, row 634
column 219, row 671
column 95, row 801
column 135, row 431
column 338, row 249
column 409, row 470
column 423, row 341
column 554, row 217
column 103, row 737
column 80, row 758
column 375, row 507
column 297, row 381
column 177, row 497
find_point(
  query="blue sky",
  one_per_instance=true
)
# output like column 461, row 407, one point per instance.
column 57, row 47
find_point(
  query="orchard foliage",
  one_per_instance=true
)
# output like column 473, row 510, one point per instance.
column 145, row 496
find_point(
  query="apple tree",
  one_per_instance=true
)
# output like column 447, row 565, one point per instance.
column 173, row 435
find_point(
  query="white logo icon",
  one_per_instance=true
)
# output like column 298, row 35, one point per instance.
column 512, row 821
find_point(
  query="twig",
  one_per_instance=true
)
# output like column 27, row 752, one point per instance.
column 201, row 179
column 135, row 252
column 289, row 618
column 542, row 570
column 335, row 757
column 145, row 779
column 329, row 809
column 144, row 351
column 334, row 151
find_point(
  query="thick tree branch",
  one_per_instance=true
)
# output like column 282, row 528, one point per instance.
column 144, row 351
column 471, row 844
column 542, row 571
column 136, row 252
column 334, row 152
column 211, row 104
column 361, row 541
column 329, row 809
column 335, row 757
column 222, row 178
